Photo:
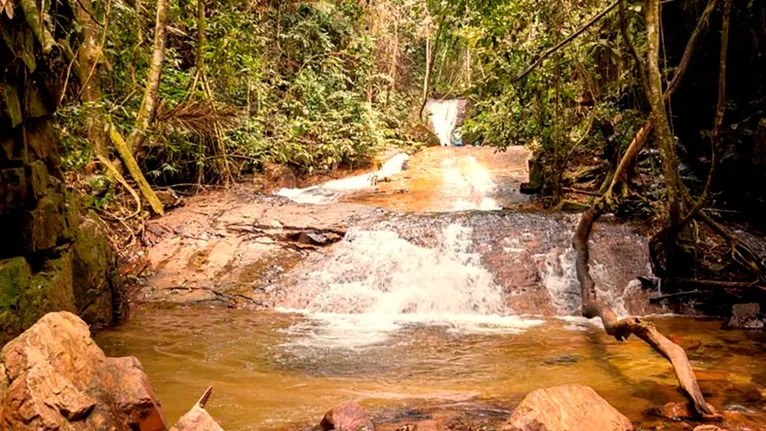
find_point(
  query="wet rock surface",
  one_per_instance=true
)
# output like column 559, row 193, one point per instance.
column 674, row 411
column 56, row 377
column 231, row 249
column 347, row 417
column 566, row 408
column 746, row 316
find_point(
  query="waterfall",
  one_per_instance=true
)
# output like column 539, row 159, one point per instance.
column 379, row 272
column 445, row 115
column 376, row 282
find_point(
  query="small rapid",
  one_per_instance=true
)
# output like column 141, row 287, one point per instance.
column 472, row 271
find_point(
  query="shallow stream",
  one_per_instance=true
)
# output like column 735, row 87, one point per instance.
column 273, row 370
column 454, row 299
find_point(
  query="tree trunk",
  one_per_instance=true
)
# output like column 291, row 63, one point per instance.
column 665, row 139
column 88, row 57
column 643, row 133
column 431, row 52
column 149, row 104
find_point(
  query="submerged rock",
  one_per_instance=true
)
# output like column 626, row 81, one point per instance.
column 674, row 411
column 55, row 377
column 566, row 408
column 746, row 316
column 347, row 417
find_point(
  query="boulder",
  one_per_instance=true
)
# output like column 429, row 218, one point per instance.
column 196, row 419
column 347, row 417
column 55, row 377
column 566, row 408
column 746, row 316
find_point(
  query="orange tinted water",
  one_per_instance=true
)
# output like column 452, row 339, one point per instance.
column 275, row 370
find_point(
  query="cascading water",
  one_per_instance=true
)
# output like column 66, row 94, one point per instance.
column 470, row 271
column 445, row 116
column 467, row 267
column 331, row 191
column 402, row 278
column 376, row 281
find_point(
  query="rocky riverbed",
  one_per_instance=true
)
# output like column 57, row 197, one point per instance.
column 436, row 299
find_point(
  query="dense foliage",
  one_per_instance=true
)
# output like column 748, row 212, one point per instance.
column 297, row 83
column 320, row 84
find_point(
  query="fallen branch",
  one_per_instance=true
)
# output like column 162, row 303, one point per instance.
column 621, row 329
column 301, row 238
column 740, row 252
column 130, row 163
column 570, row 38
column 202, row 402
column 120, row 179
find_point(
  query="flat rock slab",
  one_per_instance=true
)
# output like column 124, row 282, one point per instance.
column 216, row 249
column 566, row 408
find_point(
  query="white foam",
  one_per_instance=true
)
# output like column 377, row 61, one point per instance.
column 444, row 115
column 375, row 283
column 359, row 331
column 559, row 277
column 379, row 272
column 331, row 191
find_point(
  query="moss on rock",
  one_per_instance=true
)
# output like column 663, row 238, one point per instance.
column 96, row 282
column 49, row 290
column 15, row 276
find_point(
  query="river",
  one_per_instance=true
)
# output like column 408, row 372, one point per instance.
column 450, row 296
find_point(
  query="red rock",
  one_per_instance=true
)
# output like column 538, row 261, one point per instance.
column 135, row 397
column 58, row 378
column 566, row 408
column 674, row 411
column 196, row 419
column 347, row 417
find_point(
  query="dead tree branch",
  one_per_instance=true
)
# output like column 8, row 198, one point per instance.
column 621, row 329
